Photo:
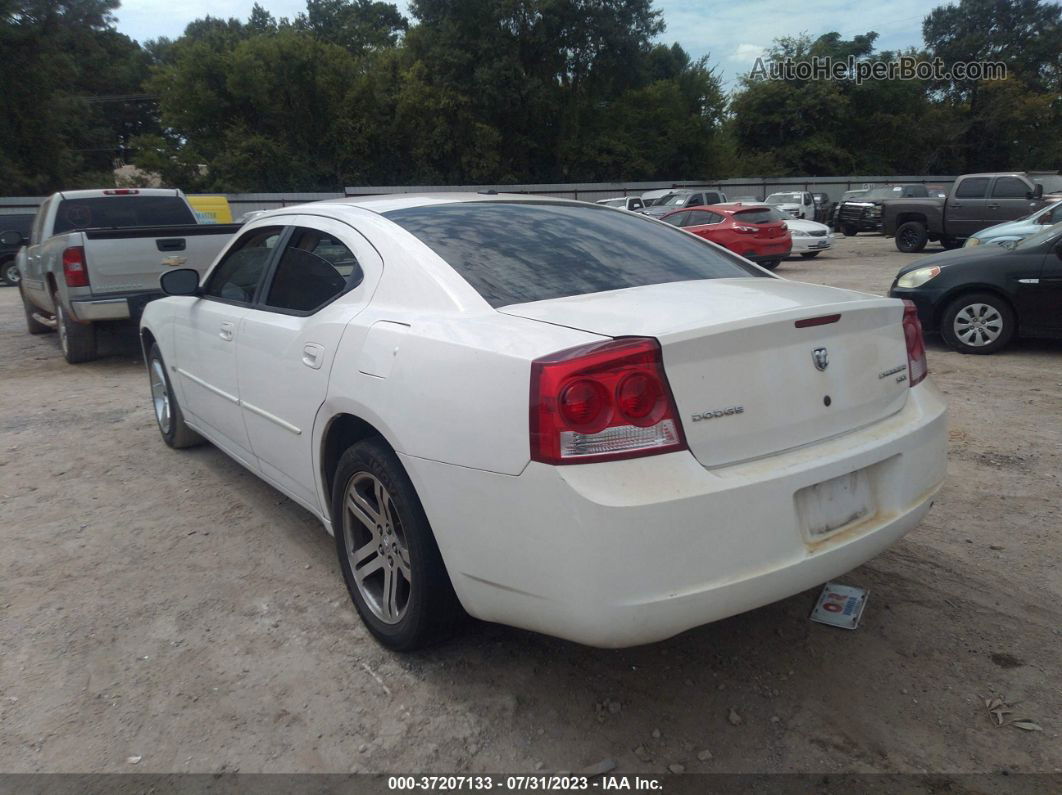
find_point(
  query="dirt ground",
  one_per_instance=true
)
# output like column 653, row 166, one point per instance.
column 170, row 607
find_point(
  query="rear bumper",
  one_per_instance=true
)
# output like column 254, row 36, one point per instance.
column 781, row 253
column 91, row 310
column 631, row 552
column 802, row 244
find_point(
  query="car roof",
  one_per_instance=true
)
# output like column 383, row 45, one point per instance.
column 96, row 193
column 403, row 201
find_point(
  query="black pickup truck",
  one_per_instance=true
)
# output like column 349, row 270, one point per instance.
column 976, row 201
column 21, row 223
column 863, row 213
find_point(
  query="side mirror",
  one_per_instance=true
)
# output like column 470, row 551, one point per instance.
column 180, row 282
column 1037, row 192
column 12, row 237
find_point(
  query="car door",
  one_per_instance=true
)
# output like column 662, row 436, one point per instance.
column 702, row 223
column 33, row 275
column 965, row 213
column 323, row 277
column 1009, row 200
column 206, row 332
column 1044, row 312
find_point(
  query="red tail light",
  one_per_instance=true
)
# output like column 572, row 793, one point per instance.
column 602, row 402
column 74, row 270
column 917, row 366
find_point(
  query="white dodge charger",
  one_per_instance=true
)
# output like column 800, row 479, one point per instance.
column 549, row 414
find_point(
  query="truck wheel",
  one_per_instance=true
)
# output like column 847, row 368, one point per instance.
column 387, row 551
column 168, row 412
column 978, row 323
column 851, row 230
column 9, row 274
column 950, row 243
column 911, row 237
column 33, row 326
column 77, row 340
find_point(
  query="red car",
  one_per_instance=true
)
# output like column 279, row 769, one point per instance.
column 756, row 232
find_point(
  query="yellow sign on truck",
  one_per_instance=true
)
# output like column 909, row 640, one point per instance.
column 211, row 209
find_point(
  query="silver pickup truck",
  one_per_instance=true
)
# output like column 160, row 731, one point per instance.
column 96, row 256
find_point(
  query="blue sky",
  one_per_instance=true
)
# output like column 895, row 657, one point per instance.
column 731, row 32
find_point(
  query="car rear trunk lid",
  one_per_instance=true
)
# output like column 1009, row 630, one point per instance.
column 748, row 382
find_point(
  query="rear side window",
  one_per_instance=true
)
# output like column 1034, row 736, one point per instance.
column 973, row 188
column 514, row 252
column 701, row 218
column 1009, row 188
column 762, row 215
column 121, row 212
column 314, row 269
column 676, row 219
column 18, row 223
column 237, row 276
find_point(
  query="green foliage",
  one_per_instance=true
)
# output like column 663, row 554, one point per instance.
column 910, row 126
column 57, row 58
column 497, row 91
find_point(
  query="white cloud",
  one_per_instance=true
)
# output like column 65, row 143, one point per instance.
column 747, row 53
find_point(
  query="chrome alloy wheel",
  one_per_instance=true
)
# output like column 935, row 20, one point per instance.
column 376, row 548
column 977, row 325
column 160, row 396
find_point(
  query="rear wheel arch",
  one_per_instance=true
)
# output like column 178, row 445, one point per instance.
column 343, row 432
column 903, row 218
column 147, row 339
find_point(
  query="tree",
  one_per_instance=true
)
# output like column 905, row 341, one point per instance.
column 69, row 105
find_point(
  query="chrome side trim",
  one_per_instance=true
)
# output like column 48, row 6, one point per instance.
column 210, row 387
column 287, row 426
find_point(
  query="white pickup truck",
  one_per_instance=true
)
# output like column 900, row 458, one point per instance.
column 96, row 256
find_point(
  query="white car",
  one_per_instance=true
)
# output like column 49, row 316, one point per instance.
column 553, row 415
column 799, row 204
column 809, row 237
column 631, row 203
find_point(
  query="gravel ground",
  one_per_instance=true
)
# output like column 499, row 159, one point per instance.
column 169, row 607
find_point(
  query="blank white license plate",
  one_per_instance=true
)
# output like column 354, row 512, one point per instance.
column 835, row 503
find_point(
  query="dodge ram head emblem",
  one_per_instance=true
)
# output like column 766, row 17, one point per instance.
column 821, row 357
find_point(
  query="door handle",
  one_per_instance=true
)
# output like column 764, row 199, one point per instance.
column 956, row 205
column 992, row 206
column 226, row 331
column 313, row 355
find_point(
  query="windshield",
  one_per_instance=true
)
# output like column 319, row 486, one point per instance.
column 882, row 193
column 514, row 252
column 1037, row 240
column 784, row 198
column 1052, row 182
column 121, row 212
column 676, row 200
column 761, row 215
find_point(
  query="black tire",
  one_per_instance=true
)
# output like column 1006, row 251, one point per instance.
column 9, row 274
column 171, row 423
column 76, row 340
column 769, row 264
column 997, row 318
column 33, row 326
column 911, row 237
column 809, row 254
column 950, row 243
column 850, row 230
column 408, row 551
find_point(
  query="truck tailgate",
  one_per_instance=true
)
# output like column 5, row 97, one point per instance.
column 131, row 260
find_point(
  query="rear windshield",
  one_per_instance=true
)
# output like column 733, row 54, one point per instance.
column 762, row 215
column 514, row 252
column 121, row 212
column 18, row 223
